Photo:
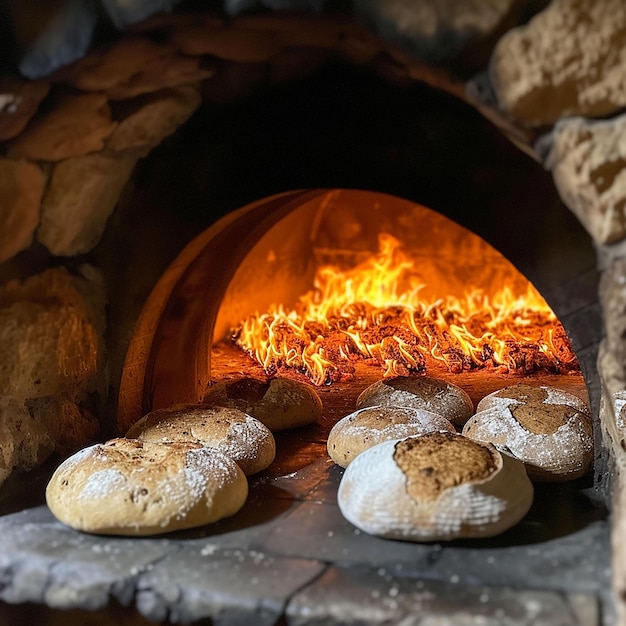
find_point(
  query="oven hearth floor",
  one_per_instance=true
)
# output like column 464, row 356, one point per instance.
column 289, row 557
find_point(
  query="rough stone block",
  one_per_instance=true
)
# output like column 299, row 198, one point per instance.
column 82, row 194
column 77, row 125
column 69, row 426
column 24, row 440
column 588, row 164
column 48, row 343
column 19, row 100
column 433, row 29
column 21, row 189
column 229, row 43
column 613, row 299
column 117, row 63
column 65, row 36
column 156, row 117
column 300, row 29
column 167, row 72
column 570, row 59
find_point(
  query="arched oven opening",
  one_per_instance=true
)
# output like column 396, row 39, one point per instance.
column 341, row 288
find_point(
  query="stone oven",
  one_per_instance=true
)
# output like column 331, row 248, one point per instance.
column 165, row 167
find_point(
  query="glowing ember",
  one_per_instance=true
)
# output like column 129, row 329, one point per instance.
column 364, row 314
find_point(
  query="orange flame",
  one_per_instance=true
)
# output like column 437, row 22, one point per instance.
column 362, row 313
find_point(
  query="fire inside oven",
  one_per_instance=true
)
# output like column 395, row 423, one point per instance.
column 355, row 286
column 340, row 289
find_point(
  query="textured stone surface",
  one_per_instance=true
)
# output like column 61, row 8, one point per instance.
column 229, row 43
column 569, row 60
column 81, row 195
column 613, row 300
column 24, row 440
column 77, row 124
column 156, row 117
column 231, row 586
column 43, row 561
column 126, row 12
column 68, row 425
column 166, row 72
column 297, row 29
column 317, row 530
column 117, row 63
column 21, row 189
column 378, row 597
column 19, row 100
column 588, row 163
column 48, row 342
column 67, row 30
column 434, row 29
column 31, row 432
column 232, row 574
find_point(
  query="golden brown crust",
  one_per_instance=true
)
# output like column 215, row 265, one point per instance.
column 437, row 461
column 423, row 392
column 369, row 426
column 549, row 429
column 279, row 403
column 238, row 435
column 130, row 487
column 542, row 419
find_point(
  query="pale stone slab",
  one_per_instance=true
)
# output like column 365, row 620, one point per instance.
column 355, row 596
column 569, row 60
column 588, row 163
column 82, row 194
column 21, row 189
column 77, row 125
column 160, row 115
column 50, row 563
column 48, row 343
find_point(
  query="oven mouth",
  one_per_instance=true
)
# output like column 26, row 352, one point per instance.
column 268, row 252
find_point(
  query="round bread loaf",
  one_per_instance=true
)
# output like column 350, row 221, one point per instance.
column 420, row 392
column 434, row 487
column 372, row 425
column 130, row 487
column 554, row 440
column 279, row 403
column 241, row 437
column 522, row 393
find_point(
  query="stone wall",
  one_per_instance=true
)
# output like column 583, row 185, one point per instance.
column 76, row 122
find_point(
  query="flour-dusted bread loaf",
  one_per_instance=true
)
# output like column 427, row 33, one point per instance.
column 434, row 487
column 372, row 425
column 523, row 393
column 279, row 403
column 548, row 429
column 130, row 487
column 239, row 436
column 421, row 392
